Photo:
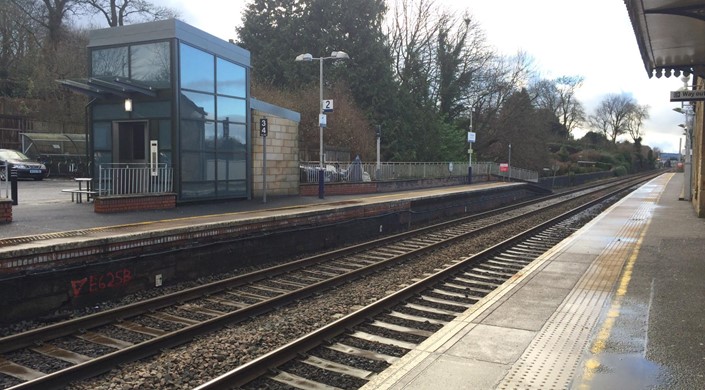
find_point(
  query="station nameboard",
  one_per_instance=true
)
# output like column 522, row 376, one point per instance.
column 685, row 96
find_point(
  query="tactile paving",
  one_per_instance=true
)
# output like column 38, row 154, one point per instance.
column 552, row 359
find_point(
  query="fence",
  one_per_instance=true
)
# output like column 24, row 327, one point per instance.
column 340, row 172
column 124, row 179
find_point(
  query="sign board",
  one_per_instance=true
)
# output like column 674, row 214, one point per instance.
column 263, row 127
column 685, row 96
column 471, row 136
column 154, row 157
column 504, row 167
column 322, row 120
column 327, row 105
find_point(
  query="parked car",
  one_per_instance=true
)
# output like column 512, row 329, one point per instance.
column 26, row 167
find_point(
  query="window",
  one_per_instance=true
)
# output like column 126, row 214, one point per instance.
column 231, row 109
column 197, row 69
column 231, row 79
column 150, row 63
column 110, row 62
column 196, row 105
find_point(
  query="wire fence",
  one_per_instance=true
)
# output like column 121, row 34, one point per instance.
column 387, row 171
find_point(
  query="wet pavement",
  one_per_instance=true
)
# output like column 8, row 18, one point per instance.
column 618, row 305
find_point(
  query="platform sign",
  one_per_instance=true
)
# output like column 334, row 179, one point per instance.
column 471, row 136
column 327, row 105
column 686, row 96
column 504, row 167
column 263, row 127
column 322, row 120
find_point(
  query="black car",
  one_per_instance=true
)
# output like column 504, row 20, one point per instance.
column 26, row 168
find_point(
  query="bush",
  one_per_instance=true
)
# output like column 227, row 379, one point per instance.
column 620, row 171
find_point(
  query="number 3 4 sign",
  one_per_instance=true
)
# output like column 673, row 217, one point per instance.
column 263, row 127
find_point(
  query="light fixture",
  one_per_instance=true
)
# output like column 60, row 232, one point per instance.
column 128, row 105
column 340, row 55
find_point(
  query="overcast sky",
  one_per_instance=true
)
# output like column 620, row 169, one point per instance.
column 590, row 38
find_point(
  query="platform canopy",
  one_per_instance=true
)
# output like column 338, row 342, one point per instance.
column 108, row 87
column 53, row 144
column 670, row 35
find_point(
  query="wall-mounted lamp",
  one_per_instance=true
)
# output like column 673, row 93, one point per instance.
column 128, row 105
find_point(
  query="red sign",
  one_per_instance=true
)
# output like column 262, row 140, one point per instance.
column 504, row 167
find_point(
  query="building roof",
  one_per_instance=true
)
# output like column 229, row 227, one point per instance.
column 168, row 29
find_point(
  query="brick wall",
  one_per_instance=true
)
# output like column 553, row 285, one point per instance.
column 119, row 204
column 5, row 210
column 282, row 156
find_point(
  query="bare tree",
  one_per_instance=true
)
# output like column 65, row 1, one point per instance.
column 636, row 119
column 412, row 37
column 121, row 12
column 50, row 14
column 558, row 97
column 613, row 114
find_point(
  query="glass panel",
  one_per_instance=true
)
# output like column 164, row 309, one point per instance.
column 109, row 111
column 164, row 134
column 231, row 137
column 151, row 64
column 231, row 78
column 230, row 189
column 192, row 133
column 165, row 157
column 197, row 190
column 197, row 69
column 209, row 136
column 109, row 62
column 102, row 136
column 197, row 166
column 101, row 157
column 230, row 166
column 232, row 109
column 197, row 105
column 151, row 109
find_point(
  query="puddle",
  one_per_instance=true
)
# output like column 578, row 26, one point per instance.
column 622, row 371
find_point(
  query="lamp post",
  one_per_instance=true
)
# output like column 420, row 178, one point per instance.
column 336, row 55
column 687, row 171
column 510, row 162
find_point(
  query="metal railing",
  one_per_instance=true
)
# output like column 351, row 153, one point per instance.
column 124, row 179
column 340, row 171
column 4, row 181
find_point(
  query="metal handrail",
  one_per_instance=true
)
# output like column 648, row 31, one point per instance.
column 124, row 179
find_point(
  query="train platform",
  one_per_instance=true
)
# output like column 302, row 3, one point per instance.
column 618, row 305
column 44, row 219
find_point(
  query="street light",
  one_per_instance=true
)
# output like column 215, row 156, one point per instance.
column 307, row 57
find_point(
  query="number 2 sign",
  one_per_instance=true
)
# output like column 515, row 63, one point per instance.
column 327, row 105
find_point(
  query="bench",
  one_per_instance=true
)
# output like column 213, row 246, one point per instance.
column 79, row 193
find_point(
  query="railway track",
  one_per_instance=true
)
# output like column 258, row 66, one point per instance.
column 353, row 350
column 93, row 344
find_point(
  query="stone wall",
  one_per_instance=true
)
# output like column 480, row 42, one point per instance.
column 282, row 156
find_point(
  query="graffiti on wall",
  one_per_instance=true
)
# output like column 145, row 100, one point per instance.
column 96, row 283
